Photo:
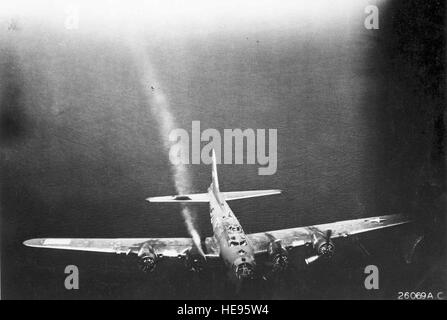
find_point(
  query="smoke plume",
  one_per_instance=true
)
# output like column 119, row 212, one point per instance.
column 161, row 111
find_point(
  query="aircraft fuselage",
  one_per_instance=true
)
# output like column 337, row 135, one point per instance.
column 235, row 248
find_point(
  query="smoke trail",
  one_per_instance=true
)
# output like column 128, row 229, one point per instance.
column 160, row 110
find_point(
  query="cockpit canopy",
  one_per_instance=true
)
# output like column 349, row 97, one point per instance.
column 234, row 228
column 237, row 240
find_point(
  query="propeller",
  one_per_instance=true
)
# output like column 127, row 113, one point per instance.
column 147, row 258
column 411, row 248
column 195, row 259
column 323, row 249
column 312, row 259
column 328, row 236
column 278, row 256
column 360, row 245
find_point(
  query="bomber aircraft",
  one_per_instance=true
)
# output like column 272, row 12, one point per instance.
column 238, row 250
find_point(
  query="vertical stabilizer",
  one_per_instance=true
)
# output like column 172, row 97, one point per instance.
column 215, row 180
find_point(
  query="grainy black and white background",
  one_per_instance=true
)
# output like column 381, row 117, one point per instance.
column 360, row 120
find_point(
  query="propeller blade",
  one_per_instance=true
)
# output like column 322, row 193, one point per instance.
column 312, row 259
column 412, row 249
column 360, row 245
column 328, row 235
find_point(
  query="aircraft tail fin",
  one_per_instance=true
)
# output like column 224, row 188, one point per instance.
column 215, row 179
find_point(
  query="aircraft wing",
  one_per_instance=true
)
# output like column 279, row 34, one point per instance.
column 167, row 247
column 300, row 236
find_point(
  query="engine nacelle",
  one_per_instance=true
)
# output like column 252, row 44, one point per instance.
column 324, row 248
column 279, row 257
column 147, row 258
column 194, row 261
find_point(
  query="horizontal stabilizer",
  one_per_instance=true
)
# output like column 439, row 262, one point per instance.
column 235, row 195
column 195, row 197
column 204, row 197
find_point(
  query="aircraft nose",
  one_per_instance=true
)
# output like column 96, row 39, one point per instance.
column 245, row 271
